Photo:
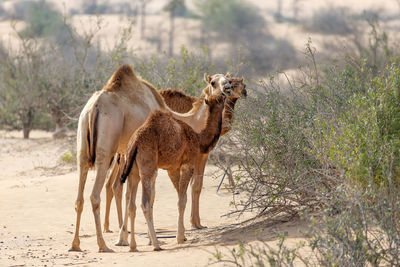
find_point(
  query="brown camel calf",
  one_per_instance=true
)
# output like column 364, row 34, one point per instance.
column 168, row 143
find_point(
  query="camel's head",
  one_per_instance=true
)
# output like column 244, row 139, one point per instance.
column 216, row 101
column 237, row 88
column 216, row 83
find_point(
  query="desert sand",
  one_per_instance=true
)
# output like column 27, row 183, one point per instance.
column 37, row 216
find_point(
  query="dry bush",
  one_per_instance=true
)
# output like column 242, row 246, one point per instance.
column 327, row 147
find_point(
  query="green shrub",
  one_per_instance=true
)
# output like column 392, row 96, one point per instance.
column 43, row 20
column 328, row 147
column 363, row 139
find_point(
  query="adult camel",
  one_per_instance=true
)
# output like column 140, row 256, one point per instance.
column 105, row 125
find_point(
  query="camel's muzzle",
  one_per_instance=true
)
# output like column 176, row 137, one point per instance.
column 227, row 89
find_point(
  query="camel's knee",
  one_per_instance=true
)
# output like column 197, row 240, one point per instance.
column 117, row 187
column 182, row 201
column 132, row 209
column 95, row 203
column 109, row 185
column 146, row 207
column 196, row 187
column 79, row 206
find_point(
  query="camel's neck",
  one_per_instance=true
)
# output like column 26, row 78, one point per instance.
column 196, row 117
column 160, row 101
column 228, row 115
column 210, row 134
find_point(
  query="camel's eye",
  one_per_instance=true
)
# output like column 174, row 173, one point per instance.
column 213, row 83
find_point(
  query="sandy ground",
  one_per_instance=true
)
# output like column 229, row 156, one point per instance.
column 37, row 217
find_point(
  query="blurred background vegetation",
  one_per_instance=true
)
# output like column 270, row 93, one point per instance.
column 317, row 137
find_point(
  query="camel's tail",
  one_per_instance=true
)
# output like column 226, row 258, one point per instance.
column 92, row 136
column 130, row 160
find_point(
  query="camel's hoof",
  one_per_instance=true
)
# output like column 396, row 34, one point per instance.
column 180, row 241
column 133, row 250
column 198, row 226
column 75, row 249
column 106, row 250
column 122, row 243
column 158, row 249
column 107, row 231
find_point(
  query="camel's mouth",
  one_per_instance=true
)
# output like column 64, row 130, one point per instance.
column 228, row 90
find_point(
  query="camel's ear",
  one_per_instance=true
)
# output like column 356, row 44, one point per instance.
column 207, row 78
column 241, row 80
column 207, row 91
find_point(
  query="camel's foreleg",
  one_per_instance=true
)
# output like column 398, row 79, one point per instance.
column 197, row 184
column 110, row 194
column 123, row 232
column 185, row 176
column 118, row 190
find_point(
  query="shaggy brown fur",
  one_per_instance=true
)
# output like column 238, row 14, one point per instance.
column 167, row 143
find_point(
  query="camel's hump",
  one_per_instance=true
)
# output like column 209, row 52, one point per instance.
column 124, row 72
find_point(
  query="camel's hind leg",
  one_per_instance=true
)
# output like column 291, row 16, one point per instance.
column 185, row 176
column 110, row 194
column 83, row 170
column 102, row 167
column 107, row 143
column 148, row 180
column 118, row 190
column 132, row 208
column 130, row 196
column 197, row 184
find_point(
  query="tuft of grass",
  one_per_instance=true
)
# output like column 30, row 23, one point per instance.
column 68, row 158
